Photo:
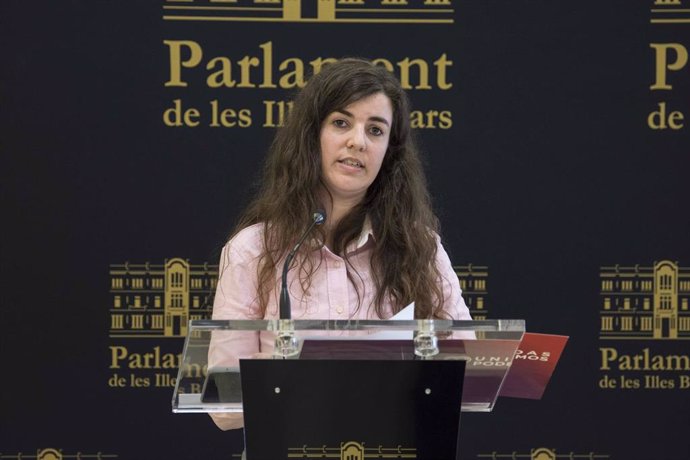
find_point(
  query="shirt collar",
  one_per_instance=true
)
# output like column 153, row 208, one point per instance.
column 366, row 234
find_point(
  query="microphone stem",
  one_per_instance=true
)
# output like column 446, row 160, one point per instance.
column 285, row 310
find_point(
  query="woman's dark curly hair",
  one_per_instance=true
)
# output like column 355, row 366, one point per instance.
column 397, row 203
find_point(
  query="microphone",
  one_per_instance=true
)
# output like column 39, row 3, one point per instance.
column 317, row 218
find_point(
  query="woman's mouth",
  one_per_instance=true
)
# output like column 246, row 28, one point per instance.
column 351, row 162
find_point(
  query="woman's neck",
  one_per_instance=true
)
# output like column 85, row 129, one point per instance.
column 339, row 209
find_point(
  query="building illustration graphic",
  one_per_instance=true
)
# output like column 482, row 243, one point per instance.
column 353, row 11
column 150, row 300
column 352, row 450
column 645, row 302
column 158, row 300
column 473, row 280
column 51, row 453
column 543, row 453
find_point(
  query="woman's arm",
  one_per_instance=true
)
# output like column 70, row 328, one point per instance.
column 454, row 304
column 235, row 299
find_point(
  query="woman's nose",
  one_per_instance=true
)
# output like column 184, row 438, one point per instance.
column 358, row 139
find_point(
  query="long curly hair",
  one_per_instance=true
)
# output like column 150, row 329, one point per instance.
column 397, row 202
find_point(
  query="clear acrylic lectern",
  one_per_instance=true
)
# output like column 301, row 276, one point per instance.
column 346, row 389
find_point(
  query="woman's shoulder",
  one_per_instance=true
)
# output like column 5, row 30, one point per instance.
column 251, row 232
column 248, row 242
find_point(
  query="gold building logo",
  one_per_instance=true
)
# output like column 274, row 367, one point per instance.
column 544, row 453
column 473, row 279
column 645, row 302
column 56, row 454
column 352, row 450
column 669, row 12
column 314, row 11
column 153, row 301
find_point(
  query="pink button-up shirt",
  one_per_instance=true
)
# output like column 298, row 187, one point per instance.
column 331, row 295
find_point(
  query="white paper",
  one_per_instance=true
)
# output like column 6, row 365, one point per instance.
column 406, row 313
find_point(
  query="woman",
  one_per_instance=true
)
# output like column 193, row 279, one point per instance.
column 346, row 148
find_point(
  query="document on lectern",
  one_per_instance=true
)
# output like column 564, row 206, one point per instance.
column 533, row 365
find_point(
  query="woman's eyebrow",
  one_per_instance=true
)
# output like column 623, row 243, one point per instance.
column 372, row 118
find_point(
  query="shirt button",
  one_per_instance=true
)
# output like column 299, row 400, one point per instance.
column 339, row 310
column 336, row 264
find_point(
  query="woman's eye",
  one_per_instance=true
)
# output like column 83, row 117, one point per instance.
column 339, row 123
column 376, row 131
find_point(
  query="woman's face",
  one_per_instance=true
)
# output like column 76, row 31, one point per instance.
column 353, row 142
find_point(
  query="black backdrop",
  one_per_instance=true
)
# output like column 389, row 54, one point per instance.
column 550, row 175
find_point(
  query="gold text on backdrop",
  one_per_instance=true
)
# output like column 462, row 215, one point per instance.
column 224, row 72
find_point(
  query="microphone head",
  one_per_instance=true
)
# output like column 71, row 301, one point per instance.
column 319, row 216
